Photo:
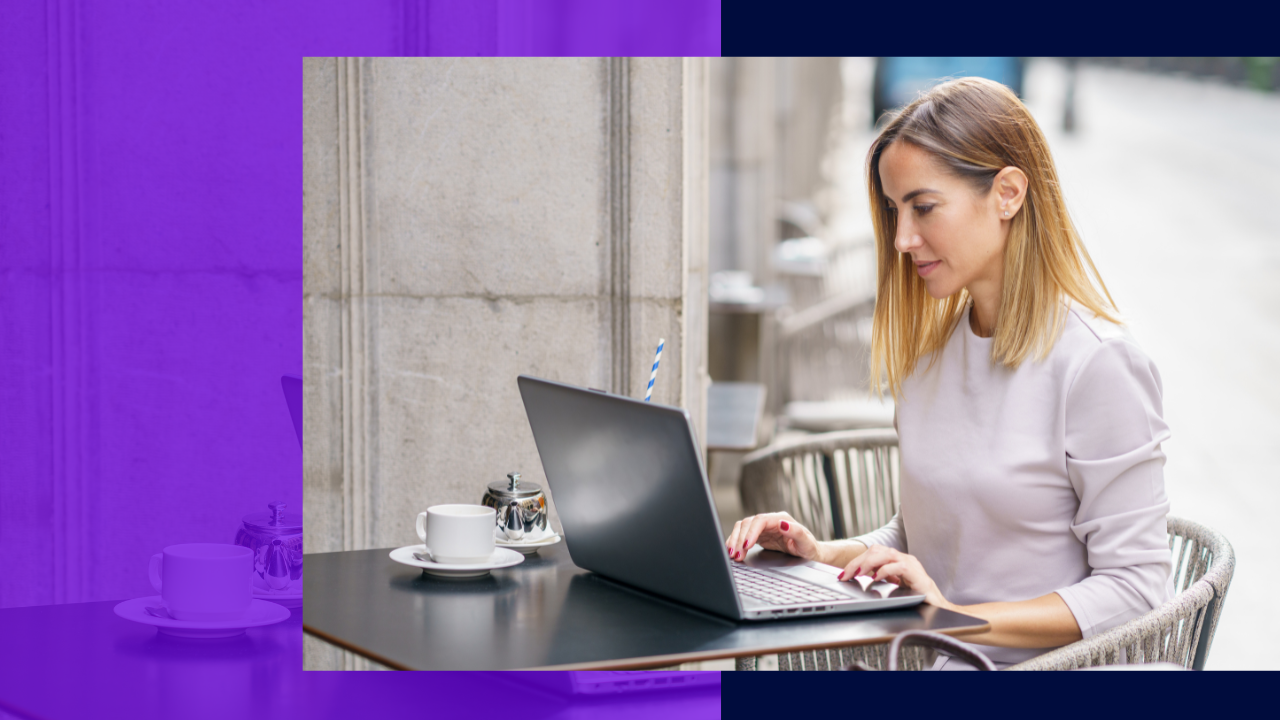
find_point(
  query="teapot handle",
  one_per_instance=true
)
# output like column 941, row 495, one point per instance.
column 153, row 570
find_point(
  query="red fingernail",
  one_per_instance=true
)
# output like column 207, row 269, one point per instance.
column 840, row 576
column 785, row 526
column 744, row 544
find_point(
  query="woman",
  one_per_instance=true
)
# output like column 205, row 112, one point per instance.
column 1029, row 421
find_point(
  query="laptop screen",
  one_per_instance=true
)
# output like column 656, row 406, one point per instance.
column 627, row 481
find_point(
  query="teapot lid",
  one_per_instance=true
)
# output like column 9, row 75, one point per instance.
column 275, row 521
column 514, row 487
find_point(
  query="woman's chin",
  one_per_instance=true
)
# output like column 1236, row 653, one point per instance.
column 938, row 292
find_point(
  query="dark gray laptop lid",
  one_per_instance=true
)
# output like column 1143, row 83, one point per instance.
column 630, row 490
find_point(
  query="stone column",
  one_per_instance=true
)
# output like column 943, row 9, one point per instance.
column 470, row 220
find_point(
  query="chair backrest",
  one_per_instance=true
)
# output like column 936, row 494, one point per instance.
column 1201, row 555
column 838, row 484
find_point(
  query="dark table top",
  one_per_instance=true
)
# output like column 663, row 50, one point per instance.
column 547, row 612
column 77, row 661
column 81, row 660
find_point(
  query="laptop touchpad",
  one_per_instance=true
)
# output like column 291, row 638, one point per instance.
column 810, row 574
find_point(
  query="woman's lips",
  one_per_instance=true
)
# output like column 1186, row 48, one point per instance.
column 925, row 268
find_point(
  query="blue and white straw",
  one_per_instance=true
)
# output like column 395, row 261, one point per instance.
column 654, row 373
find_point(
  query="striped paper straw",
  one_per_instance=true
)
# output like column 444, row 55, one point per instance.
column 654, row 373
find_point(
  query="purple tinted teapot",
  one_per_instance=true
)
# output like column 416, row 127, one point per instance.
column 275, row 537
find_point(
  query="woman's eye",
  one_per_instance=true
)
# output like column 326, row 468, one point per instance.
column 923, row 209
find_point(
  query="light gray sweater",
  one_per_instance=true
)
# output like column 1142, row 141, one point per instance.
column 1048, row 478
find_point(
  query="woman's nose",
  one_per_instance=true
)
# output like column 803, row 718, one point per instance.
column 907, row 240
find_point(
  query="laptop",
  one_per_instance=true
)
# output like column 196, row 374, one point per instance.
column 633, row 498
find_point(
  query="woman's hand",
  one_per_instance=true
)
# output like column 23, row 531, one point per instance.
column 774, row 531
column 885, row 563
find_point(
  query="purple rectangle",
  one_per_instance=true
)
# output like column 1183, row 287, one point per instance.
column 151, row 282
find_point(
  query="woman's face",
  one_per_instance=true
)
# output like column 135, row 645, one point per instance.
column 954, row 234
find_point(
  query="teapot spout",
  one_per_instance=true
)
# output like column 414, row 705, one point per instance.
column 513, row 524
column 276, row 567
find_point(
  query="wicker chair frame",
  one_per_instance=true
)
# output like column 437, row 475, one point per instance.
column 844, row 484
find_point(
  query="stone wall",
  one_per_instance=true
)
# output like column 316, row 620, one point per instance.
column 469, row 220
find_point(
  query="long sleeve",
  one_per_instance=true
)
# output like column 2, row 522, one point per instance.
column 891, row 535
column 1114, row 430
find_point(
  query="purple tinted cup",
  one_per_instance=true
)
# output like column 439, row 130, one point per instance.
column 204, row 582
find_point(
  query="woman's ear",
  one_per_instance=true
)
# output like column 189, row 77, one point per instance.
column 1010, row 186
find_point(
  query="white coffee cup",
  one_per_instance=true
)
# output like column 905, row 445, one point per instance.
column 204, row 581
column 458, row 534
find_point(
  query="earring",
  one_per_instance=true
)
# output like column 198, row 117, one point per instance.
column 1006, row 213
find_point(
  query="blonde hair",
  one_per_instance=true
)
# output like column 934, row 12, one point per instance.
column 975, row 128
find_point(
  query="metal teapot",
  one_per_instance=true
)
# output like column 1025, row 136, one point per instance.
column 521, row 507
column 275, row 537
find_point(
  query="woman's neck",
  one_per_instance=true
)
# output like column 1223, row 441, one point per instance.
column 985, row 294
column 982, row 320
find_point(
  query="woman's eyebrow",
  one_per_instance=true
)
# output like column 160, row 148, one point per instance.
column 913, row 193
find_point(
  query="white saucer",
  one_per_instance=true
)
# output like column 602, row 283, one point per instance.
column 289, row 597
column 501, row 558
column 259, row 613
column 529, row 547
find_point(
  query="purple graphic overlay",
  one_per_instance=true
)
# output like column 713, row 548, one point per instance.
column 81, row 661
column 292, row 387
column 151, row 265
column 580, row 28
column 150, row 287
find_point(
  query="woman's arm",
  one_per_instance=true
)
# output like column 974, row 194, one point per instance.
column 840, row 552
column 780, row 531
column 1043, row 622
column 1040, row 623
column 1114, row 434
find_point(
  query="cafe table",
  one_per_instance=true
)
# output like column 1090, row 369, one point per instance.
column 80, row 660
column 547, row 613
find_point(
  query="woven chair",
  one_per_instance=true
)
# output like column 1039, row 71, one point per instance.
column 844, row 484
column 1181, row 630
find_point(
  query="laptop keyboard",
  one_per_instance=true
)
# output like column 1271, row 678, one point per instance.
column 779, row 590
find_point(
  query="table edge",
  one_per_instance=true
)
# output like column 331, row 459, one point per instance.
column 656, row 661
column 307, row 629
column 675, row 659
